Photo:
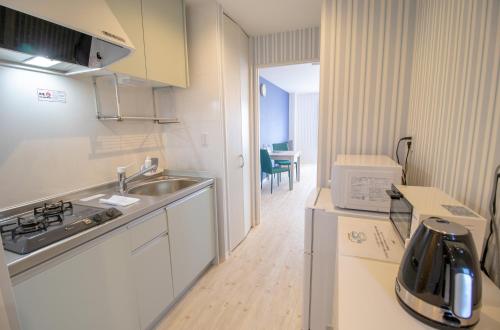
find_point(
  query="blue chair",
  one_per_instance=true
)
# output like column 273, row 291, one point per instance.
column 266, row 166
column 283, row 146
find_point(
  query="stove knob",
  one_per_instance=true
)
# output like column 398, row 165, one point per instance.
column 110, row 213
column 97, row 218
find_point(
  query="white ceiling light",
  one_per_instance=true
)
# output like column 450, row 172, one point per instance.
column 41, row 62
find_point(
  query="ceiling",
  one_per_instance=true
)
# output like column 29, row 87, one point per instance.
column 298, row 78
column 258, row 17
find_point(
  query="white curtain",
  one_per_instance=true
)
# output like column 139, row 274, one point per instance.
column 304, row 110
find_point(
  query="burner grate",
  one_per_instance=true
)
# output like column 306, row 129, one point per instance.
column 26, row 226
column 40, row 220
column 29, row 231
column 57, row 208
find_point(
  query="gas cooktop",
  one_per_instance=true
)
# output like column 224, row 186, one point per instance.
column 47, row 224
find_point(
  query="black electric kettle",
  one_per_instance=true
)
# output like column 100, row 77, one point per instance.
column 439, row 279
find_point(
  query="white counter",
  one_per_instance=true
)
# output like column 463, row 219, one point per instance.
column 320, row 242
column 366, row 298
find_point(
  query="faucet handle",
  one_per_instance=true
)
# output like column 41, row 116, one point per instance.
column 151, row 164
column 154, row 162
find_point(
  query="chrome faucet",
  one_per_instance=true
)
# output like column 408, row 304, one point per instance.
column 150, row 165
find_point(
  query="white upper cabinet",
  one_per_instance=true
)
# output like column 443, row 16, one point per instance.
column 129, row 14
column 158, row 31
column 165, row 41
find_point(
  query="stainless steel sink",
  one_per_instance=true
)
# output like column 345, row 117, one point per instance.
column 161, row 187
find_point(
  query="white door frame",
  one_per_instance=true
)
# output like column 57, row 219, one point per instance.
column 255, row 132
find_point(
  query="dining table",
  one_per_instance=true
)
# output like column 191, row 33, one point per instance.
column 292, row 156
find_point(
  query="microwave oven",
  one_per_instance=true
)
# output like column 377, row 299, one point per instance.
column 359, row 182
column 410, row 205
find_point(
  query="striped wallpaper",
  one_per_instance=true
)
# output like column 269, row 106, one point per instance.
column 454, row 110
column 289, row 47
column 425, row 68
column 365, row 77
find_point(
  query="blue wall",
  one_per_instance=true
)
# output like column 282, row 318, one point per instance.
column 273, row 114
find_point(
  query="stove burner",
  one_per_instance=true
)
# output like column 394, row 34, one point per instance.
column 25, row 226
column 57, row 208
column 42, row 217
column 49, row 223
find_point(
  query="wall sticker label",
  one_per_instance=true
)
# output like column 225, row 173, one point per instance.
column 47, row 95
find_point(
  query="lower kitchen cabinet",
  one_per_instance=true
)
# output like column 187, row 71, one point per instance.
column 126, row 279
column 91, row 290
column 191, row 226
column 153, row 279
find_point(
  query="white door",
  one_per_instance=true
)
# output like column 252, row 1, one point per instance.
column 236, row 100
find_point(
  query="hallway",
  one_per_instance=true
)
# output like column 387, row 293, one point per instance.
column 260, row 285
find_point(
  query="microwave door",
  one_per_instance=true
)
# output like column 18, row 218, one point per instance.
column 400, row 214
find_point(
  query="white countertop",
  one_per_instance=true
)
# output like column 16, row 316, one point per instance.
column 323, row 201
column 366, row 297
column 18, row 263
column 430, row 200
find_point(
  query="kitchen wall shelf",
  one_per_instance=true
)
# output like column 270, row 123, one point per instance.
column 118, row 116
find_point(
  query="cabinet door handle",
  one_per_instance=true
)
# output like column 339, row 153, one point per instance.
column 242, row 161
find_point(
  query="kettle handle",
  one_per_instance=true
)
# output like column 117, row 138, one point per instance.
column 462, row 278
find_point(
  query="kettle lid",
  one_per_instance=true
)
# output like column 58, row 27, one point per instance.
column 445, row 227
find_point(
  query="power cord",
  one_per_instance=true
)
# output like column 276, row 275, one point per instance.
column 405, row 164
column 493, row 214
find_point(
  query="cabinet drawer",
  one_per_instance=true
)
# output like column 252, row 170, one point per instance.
column 147, row 228
column 153, row 280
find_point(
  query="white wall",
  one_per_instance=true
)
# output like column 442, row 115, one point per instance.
column 304, row 111
column 429, row 69
column 365, row 77
column 50, row 148
column 424, row 68
column 199, row 107
column 454, row 113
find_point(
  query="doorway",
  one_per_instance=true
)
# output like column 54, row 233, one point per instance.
column 288, row 111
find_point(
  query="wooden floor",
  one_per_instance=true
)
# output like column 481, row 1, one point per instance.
column 260, row 285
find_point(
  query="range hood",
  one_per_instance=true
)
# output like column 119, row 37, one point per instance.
column 60, row 36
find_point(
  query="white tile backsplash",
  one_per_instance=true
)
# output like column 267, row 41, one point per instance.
column 49, row 148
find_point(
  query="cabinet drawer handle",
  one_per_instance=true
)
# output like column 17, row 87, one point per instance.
column 242, row 161
column 148, row 243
